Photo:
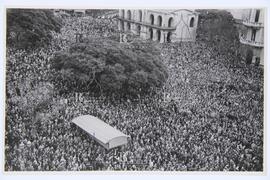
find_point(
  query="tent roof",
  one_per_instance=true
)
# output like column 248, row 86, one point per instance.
column 97, row 128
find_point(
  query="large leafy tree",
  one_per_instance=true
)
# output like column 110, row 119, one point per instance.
column 98, row 12
column 217, row 27
column 28, row 28
column 107, row 66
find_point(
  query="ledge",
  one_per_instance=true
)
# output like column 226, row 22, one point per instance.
column 251, row 43
column 252, row 24
column 148, row 25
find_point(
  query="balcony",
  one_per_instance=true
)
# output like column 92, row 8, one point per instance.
column 148, row 24
column 251, row 43
column 252, row 24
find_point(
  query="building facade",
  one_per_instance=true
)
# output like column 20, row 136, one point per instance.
column 252, row 37
column 160, row 25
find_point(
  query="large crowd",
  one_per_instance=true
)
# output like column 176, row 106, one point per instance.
column 207, row 117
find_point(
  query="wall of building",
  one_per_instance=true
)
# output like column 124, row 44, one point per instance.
column 177, row 30
column 256, row 52
column 259, row 36
column 253, row 45
column 251, row 16
column 262, row 56
column 185, row 31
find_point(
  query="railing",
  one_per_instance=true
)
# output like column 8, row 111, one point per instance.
column 251, row 43
column 252, row 24
column 148, row 24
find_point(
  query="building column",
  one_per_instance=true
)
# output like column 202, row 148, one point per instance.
column 154, row 34
column 125, row 26
column 133, row 28
column 163, row 37
column 261, row 57
column 120, row 25
column 119, row 13
column 144, row 32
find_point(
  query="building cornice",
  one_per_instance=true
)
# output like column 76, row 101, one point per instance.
column 251, row 43
column 148, row 24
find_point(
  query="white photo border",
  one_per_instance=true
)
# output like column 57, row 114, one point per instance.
column 116, row 4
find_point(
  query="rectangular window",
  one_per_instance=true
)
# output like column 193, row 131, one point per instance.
column 257, row 15
column 253, row 35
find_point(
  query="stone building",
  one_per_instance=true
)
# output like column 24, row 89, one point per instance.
column 160, row 25
column 252, row 37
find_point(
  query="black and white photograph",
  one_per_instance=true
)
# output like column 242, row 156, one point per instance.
column 130, row 89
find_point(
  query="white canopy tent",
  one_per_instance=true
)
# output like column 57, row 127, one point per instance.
column 103, row 133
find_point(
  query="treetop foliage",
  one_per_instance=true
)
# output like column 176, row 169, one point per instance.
column 104, row 65
column 217, row 28
column 27, row 28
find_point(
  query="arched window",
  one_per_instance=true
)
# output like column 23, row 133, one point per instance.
column 122, row 25
column 128, row 26
column 152, row 19
column 129, row 15
column 123, row 13
column 159, row 20
column 140, row 15
column 138, row 29
column 191, row 24
column 151, row 33
column 169, row 35
column 158, row 35
column 170, row 22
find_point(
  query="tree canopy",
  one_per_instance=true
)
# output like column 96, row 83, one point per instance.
column 98, row 12
column 107, row 66
column 217, row 27
column 27, row 28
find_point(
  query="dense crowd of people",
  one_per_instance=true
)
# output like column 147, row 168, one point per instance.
column 88, row 26
column 207, row 117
